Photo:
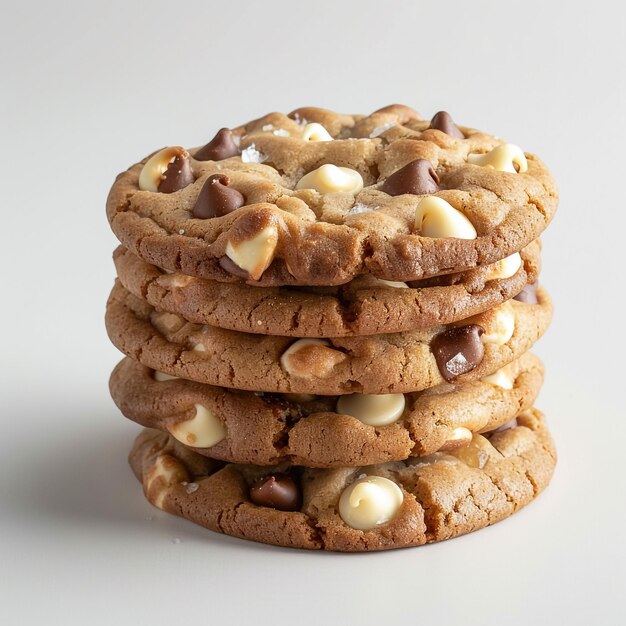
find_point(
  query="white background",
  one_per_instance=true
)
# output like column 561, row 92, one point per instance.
column 86, row 89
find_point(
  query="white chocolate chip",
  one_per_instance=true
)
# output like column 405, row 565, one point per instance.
column 162, row 376
column 311, row 357
column 458, row 437
column 476, row 453
column 199, row 347
column 502, row 158
column 315, row 132
column 167, row 323
column 369, row 502
column 330, row 178
column 499, row 379
column 165, row 472
column 371, row 409
column 201, row 431
column 434, row 217
column 505, row 268
column 176, row 281
column 379, row 130
column 379, row 282
column 254, row 255
column 502, row 327
column 152, row 172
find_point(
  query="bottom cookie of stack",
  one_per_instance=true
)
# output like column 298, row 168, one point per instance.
column 355, row 509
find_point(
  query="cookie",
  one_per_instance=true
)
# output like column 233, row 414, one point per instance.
column 379, row 507
column 364, row 306
column 322, row 431
column 318, row 198
column 393, row 363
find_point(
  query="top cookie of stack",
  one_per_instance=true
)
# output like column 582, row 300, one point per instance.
column 317, row 198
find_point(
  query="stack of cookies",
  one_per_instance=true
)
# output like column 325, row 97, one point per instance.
column 327, row 321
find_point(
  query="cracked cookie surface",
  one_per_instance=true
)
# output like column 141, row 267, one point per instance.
column 393, row 363
column 442, row 495
column 328, row 238
column 364, row 306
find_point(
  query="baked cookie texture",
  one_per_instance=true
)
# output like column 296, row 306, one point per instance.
column 364, row 306
column 442, row 495
column 326, row 321
column 336, row 224
column 312, row 431
column 378, row 364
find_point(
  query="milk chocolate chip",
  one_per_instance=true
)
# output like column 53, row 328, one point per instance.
column 417, row 177
column 277, row 491
column 443, row 121
column 458, row 350
column 217, row 198
column 528, row 295
column 177, row 175
column 222, row 146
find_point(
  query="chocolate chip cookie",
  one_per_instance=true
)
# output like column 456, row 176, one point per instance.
column 378, row 364
column 353, row 509
column 364, row 306
column 323, row 431
column 318, row 198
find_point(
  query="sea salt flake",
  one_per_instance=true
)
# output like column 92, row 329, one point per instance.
column 457, row 365
column 267, row 127
column 252, row 155
column 192, row 487
column 361, row 208
column 181, row 231
column 379, row 130
column 281, row 132
column 301, row 121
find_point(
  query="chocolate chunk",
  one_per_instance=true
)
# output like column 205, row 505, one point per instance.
column 227, row 264
column 217, row 198
column 177, row 175
column 222, row 146
column 458, row 350
column 278, row 491
column 417, row 177
column 443, row 121
column 528, row 295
